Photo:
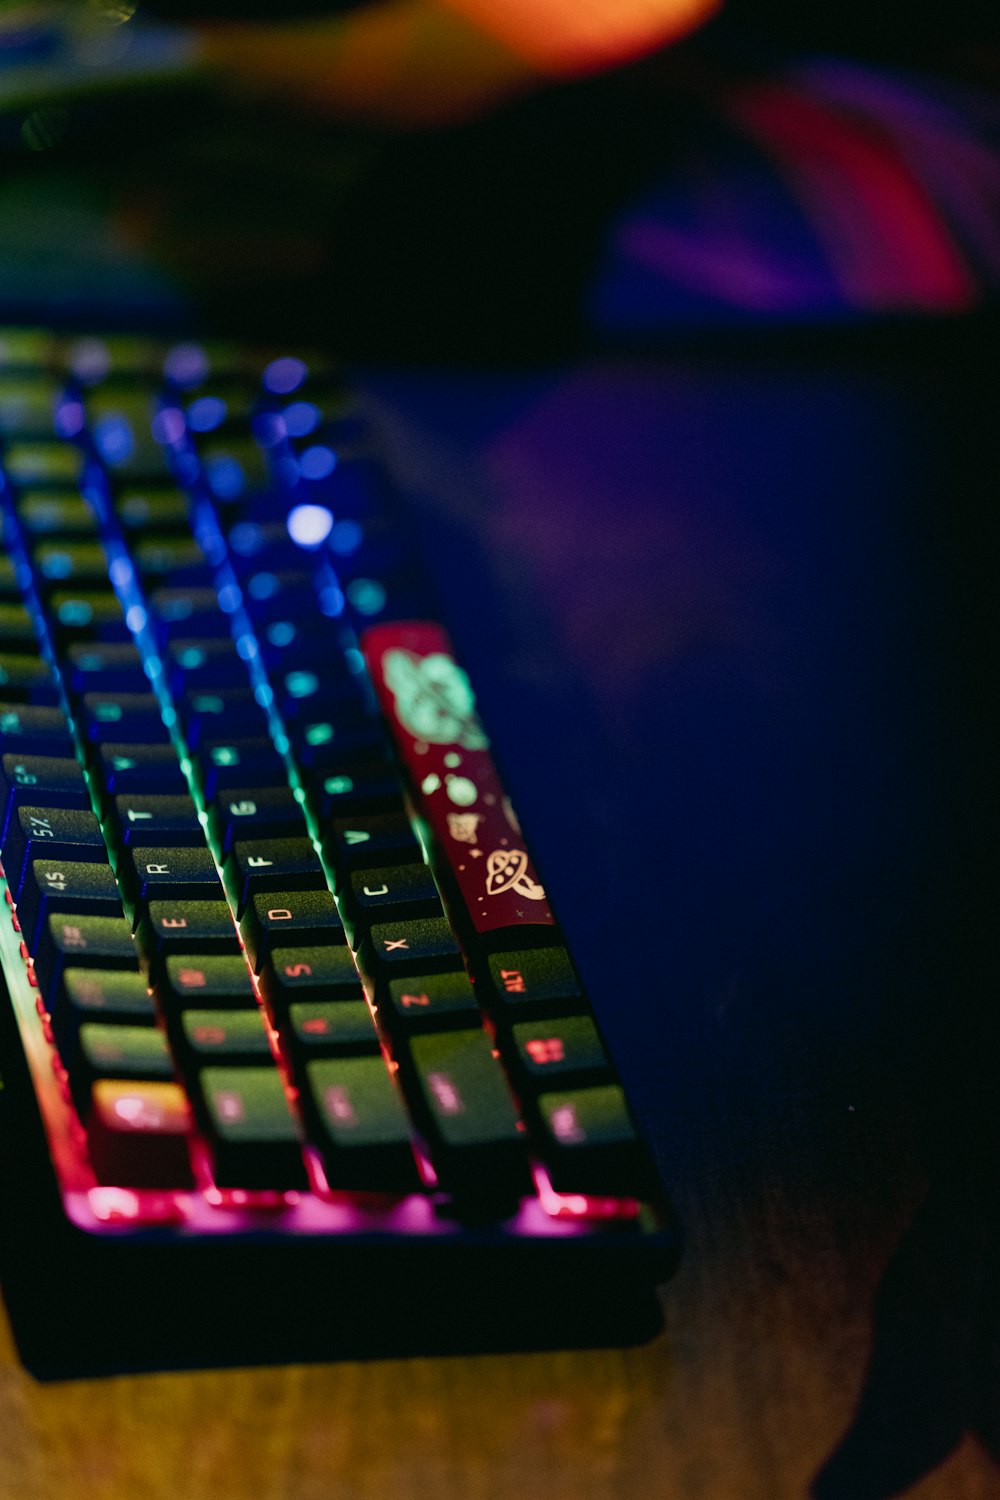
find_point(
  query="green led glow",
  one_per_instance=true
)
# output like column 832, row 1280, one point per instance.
column 319, row 734
column 339, row 786
column 302, row 684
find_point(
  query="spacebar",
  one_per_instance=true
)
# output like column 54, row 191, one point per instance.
column 430, row 709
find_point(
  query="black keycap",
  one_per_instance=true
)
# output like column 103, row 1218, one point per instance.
column 208, row 664
column 65, row 833
column 145, row 819
column 393, row 893
column 320, row 742
column 10, row 591
column 161, row 507
column 116, row 997
column 134, row 717
column 26, row 730
column 535, row 981
column 138, row 1133
column 369, row 842
column 429, row 1002
column 394, row 949
column 286, row 917
column 177, row 561
column 331, row 1028
column 272, row 865
column 558, row 1053
column 155, row 874
column 360, row 1124
column 66, row 564
column 211, row 713
column 129, row 769
column 177, row 613
column 67, row 886
column 43, row 463
column 17, row 629
column 106, row 667
column 103, row 1051
column 466, row 1110
column 354, row 791
column 27, row 679
column 81, row 942
column 238, row 762
column 186, row 927
column 293, row 974
column 87, row 615
column 40, row 780
column 254, row 1136
column 205, row 982
column 589, row 1144
column 256, row 813
column 62, row 513
column 113, row 995
column 223, row 1036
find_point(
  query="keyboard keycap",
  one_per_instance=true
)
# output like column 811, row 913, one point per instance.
column 138, row 1134
column 589, row 1143
column 557, row 1053
column 467, row 1112
column 362, row 1127
column 536, row 981
column 27, row 730
column 283, row 917
column 143, row 820
column 272, row 865
column 213, row 981
column 155, row 874
column 28, row 679
column 292, row 974
column 391, row 949
column 75, row 887
column 186, row 927
column 224, row 1036
column 255, row 1138
column 326, row 1028
column 41, row 780
column 64, row 833
column 430, row 1002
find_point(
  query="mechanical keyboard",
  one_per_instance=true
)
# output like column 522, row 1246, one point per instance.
column 295, row 1062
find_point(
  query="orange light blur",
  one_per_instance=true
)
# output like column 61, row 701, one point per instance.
column 569, row 36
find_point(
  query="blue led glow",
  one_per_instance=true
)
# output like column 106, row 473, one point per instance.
column 121, row 572
column 268, row 428
column 168, row 425
column 230, row 598
column 69, row 418
column 114, row 439
column 206, row 413
column 262, row 586
column 366, row 595
column 246, row 646
column 285, row 375
column 346, row 537
column 246, row 538
column 135, row 618
column 331, row 601
column 281, row 633
column 75, row 612
column 317, row 462
column 186, row 364
column 309, row 525
column 225, row 476
column 302, row 684
column 300, row 418
column 264, row 694
column 57, row 565
column 355, row 661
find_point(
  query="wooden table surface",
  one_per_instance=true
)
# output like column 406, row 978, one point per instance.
column 780, row 775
